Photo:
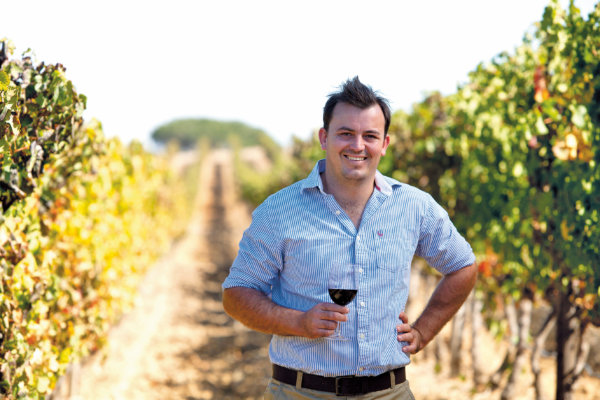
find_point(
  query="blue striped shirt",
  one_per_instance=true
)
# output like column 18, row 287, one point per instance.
column 299, row 231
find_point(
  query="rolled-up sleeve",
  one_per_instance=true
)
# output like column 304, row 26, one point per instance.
column 259, row 259
column 440, row 244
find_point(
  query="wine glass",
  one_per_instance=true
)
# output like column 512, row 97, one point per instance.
column 342, row 287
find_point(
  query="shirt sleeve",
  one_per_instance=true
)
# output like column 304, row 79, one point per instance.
column 259, row 259
column 440, row 244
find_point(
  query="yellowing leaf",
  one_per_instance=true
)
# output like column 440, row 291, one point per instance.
column 564, row 230
column 43, row 384
column 4, row 81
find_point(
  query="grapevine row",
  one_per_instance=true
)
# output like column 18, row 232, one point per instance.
column 83, row 218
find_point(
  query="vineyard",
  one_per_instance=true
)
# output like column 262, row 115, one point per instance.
column 513, row 156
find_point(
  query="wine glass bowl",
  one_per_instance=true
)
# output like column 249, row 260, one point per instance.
column 343, row 287
column 342, row 296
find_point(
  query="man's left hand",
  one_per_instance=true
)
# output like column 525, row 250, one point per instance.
column 408, row 334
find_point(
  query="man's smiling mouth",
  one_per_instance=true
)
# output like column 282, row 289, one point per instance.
column 355, row 158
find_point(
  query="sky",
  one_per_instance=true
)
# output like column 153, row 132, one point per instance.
column 267, row 63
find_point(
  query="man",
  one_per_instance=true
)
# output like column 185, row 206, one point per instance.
column 346, row 211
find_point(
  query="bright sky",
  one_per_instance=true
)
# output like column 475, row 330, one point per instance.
column 268, row 63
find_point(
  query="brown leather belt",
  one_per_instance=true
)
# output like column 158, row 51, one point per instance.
column 341, row 385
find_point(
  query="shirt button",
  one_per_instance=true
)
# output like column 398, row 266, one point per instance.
column 358, row 238
column 362, row 303
column 361, row 369
column 337, row 212
column 360, row 270
column 362, row 335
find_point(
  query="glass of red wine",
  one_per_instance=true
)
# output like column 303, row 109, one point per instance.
column 342, row 287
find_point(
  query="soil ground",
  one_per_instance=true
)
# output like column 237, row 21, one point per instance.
column 178, row 343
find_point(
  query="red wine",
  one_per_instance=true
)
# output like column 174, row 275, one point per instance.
column 342, row 296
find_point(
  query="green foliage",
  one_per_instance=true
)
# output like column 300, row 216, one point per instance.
column 187, row 132
column 39, row 111
column 74, row 237
column 513, row 156
column 421, row 153
column 533, row 158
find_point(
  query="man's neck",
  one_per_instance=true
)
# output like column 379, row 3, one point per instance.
column 360, row 191
column 351, row 197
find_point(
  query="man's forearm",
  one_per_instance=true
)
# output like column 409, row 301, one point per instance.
column 258, row 312
column 450, row 294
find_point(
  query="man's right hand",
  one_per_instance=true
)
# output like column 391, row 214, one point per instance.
column 322, row 319
column 257, row 311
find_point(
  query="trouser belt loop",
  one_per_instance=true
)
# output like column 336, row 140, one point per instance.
column 299, row 379
column 393, row 379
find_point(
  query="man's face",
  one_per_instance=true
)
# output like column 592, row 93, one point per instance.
column 354, row 143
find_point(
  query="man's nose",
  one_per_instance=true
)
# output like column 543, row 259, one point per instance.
column 357, row 143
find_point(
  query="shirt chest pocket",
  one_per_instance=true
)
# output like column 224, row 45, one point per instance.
column 394, row 252
column 392, row 273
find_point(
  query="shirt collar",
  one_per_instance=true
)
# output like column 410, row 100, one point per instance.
column 382, row 183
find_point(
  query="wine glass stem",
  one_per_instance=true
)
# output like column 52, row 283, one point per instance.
column 338, row 329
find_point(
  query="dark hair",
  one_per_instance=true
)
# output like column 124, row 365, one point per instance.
column 355, row 93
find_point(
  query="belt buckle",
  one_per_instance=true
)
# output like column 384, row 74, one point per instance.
column 338, row 385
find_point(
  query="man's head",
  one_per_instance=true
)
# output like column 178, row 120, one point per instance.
column 355, row 93
column 354, row 135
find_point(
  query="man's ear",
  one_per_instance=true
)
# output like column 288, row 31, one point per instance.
column 386, row 143
column 323, row 138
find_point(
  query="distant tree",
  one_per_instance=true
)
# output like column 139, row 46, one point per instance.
column 187, row 132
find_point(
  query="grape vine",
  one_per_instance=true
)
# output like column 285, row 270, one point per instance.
column 82, row 219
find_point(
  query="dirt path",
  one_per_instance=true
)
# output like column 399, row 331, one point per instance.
column 178, row 343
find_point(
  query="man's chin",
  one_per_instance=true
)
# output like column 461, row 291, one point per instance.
column 356, row 176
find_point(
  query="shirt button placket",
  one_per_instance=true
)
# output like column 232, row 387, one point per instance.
column 361, row 255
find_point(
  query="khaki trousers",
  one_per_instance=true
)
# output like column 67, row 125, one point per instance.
column 281, row 391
